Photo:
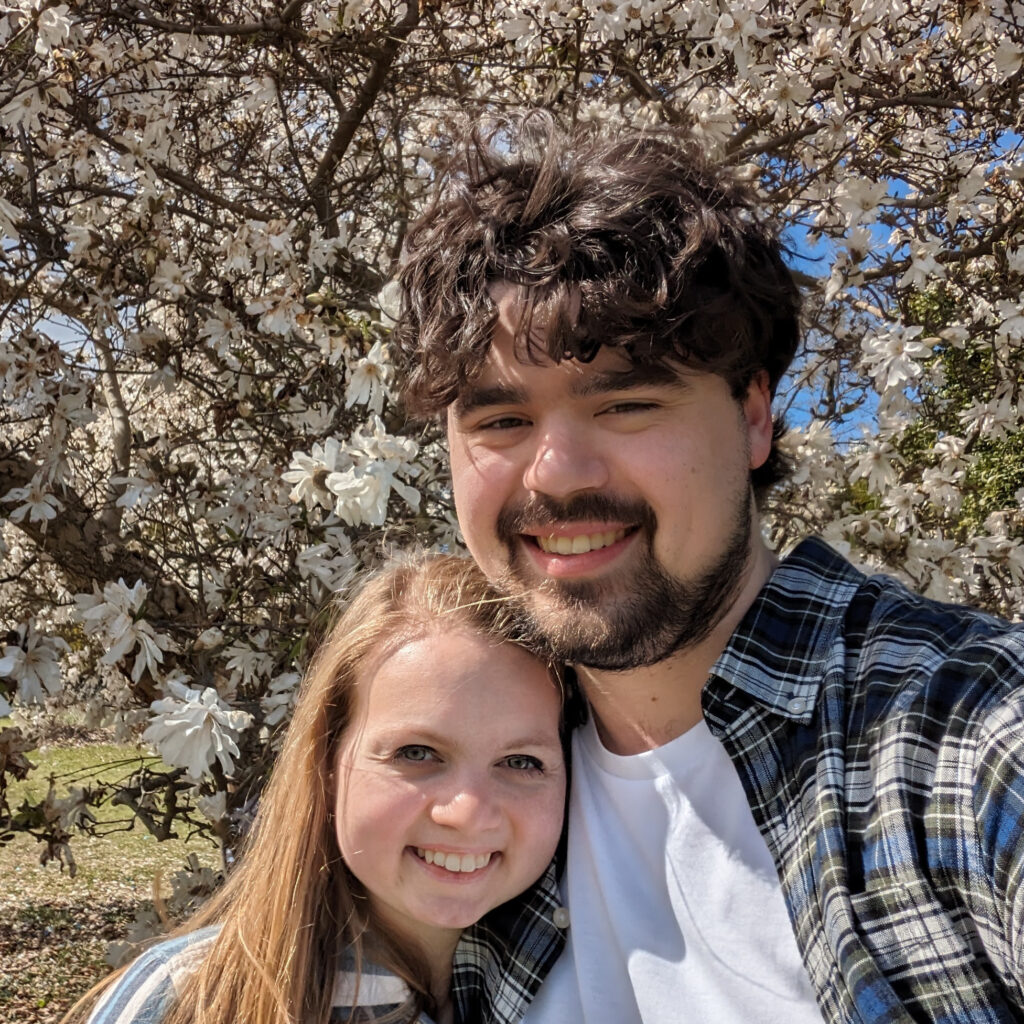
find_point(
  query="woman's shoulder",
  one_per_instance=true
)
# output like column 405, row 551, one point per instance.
column 366, row 991
column 143, row 994
column 147, row 989
column 366, row 984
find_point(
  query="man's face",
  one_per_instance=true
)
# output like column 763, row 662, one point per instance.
column 614, row 504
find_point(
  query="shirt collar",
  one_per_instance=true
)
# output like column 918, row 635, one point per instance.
column 501, row 960
column 782, row 648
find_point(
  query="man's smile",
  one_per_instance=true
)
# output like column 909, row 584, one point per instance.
column 561, row 544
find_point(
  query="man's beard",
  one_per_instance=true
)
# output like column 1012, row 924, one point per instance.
column 628, row 619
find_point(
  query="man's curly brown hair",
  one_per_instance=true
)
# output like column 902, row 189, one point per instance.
column 631, row 240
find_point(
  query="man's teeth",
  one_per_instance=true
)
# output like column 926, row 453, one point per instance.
column 580, row 544
column 454, row 861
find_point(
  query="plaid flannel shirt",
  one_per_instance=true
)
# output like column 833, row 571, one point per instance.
column 879, row 738
column 501, row 960
column 487, row 984
column 147, row 990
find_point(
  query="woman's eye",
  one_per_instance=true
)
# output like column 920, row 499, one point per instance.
column 415, row 753
column 523, row 763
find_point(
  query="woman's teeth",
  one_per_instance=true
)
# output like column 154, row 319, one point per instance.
column 580, row 544
column 454, row 861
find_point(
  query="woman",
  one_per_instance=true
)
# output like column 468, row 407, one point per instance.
column 421, row 784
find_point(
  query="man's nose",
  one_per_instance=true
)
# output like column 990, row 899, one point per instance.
column 564, row 462
column 468, row 803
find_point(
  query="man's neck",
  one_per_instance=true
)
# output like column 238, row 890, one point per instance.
column 643, row 708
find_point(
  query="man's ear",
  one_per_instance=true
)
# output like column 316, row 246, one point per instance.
column 757, row 410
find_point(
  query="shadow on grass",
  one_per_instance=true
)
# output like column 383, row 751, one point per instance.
column 53, row 952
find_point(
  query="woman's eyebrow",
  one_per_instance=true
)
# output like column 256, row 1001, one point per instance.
column 536, row 741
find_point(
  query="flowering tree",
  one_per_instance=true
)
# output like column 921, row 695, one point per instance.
column 200, row 207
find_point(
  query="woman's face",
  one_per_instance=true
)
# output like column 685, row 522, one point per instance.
column 450, row 782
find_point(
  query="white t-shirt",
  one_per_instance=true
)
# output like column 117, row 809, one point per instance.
column 675, row 908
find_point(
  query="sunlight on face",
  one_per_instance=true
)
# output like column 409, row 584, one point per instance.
column 451, row 782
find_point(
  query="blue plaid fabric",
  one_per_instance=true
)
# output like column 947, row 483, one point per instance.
column 147, row 990
column 879, row 737
column 880, row 741
column 501, row 960
column 488, row 983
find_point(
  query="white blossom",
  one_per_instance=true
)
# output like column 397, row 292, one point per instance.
column 993, row 418
column 877, row 462
column 895, row 356
column 140, row 488
column 366, row 472
column 192, row 728
column 52, row 28
column 70, row 811
column 279, row 314
column 39, row 505
column 309, row 473
column 389, row 300
column 367, row 383
column 214, row 807
column 33, row 662
column 170, row 279
column 113, row 615
column 280, row 698
column 362, row 493
column 377, row 443
column 249, row 662
column 209, row 638
column 9, row 217
column 323, row 562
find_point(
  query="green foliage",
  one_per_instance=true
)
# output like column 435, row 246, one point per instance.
column 968, row 375
column 993, row 480
column 933, row 309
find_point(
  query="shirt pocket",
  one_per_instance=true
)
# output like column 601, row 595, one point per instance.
column 908, row 932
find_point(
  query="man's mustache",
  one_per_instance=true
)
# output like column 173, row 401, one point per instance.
column 541, row 510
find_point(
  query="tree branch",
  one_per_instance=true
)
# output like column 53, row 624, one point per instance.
column 367, row 93
column 276, row 26
column 121, row 429
column 84, row 550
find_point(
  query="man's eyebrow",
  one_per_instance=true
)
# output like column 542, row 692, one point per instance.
column 475, row 397
column 483, row 396
column 604, row 381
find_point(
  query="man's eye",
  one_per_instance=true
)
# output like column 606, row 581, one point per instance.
column 628, row 407
column 523, row 763
column 503, row 423
column 415, row 753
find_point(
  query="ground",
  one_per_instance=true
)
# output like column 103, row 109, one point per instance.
column 54, row 929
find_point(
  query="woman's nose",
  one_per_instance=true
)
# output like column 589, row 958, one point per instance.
column 469, row 804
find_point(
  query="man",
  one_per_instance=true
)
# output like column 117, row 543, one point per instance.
column 800, row 792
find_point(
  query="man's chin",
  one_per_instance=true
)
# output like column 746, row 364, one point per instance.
column 578, row 633
column 630, row 619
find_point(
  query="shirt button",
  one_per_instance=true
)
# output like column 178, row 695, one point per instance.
column 560, row 918
column 796, row 705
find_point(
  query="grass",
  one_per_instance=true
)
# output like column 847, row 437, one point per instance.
column 55, row 929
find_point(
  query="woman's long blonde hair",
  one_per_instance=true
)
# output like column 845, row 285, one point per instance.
column 290, row 908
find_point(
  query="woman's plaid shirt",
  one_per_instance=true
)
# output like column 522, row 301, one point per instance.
column 880, row 740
